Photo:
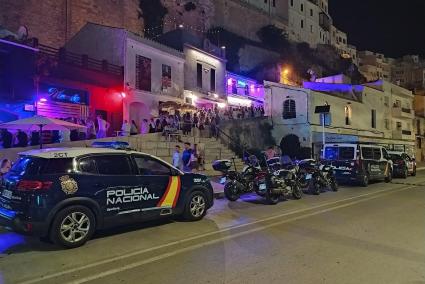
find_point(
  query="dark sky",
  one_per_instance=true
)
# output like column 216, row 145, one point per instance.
column 392, row 27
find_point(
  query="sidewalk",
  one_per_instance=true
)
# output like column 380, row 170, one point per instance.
column 420, row 166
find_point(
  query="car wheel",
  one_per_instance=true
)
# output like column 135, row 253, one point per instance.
column 196, row 206
column 414, row 172
column 73, row 226
column 365, row 180
column 334, row 185
column 405, row 173
column 315, row 186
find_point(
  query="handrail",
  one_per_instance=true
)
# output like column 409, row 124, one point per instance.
column 241, row 150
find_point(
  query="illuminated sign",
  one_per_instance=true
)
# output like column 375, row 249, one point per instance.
column 63, row 94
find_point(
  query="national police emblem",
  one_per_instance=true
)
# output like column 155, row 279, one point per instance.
column 68, row 185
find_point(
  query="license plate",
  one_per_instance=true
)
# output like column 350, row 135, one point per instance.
column 223, row 180
column 262, row 186
column 7, row 194
column 308, row 176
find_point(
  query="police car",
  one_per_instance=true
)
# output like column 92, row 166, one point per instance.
column 66, row 194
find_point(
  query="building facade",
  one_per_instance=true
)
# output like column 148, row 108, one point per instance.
column 243, row 91
column 375, row 66
column 153, row 73
column 54, row 22
column 358, row 113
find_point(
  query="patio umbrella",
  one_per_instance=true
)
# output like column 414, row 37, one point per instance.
column 40, row 123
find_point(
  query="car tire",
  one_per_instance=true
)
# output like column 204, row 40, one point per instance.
column 365, row 180
column 297, row 193
column 73, row 226
column 315, row 187
column 195, row 207
column 334, row 185
column 414, row 172
column 405, row 173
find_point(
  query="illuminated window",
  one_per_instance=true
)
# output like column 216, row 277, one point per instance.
column 348, row 114
column 289, row 109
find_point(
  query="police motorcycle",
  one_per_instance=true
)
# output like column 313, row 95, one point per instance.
column 237, row 183
column 279, row 181
column 317, row 176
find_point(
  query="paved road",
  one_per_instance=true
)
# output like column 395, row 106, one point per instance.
column 357, row 235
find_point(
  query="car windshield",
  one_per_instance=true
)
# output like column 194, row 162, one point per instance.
column 336, row 153
column 27, row 165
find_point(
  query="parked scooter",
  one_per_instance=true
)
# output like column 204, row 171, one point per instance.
column 235, row 183
column 317, row 176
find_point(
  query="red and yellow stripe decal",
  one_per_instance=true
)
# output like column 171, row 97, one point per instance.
column 171, row 195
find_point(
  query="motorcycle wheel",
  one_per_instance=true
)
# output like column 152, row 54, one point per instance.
column 315, row 187
column 303, row 182
column 297, row 193
column 271, row 199
column 231, row 192
column 334, row 185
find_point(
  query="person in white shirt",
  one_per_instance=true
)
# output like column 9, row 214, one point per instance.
column 103, row 126
column 125, row 128
column 177, row 159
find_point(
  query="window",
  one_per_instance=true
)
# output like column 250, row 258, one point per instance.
column 234, row 87
column 59, row 166
column 327, row 117
column 386, row 101
column 289, row 109
column 302, row 7
column 292, row 3
column 387, row 124
column 274, row 3
column 87, row 165
column 311, row 28
column 399, row 125
column 150, row 166
column 199, row 75
column 339, row 153
column 143, row 73
column 311, row 12
column 348, row 115
column 373, row 113
column 302, row 24
column 28, row 165
column 113, row 165
column 246, row 90
column 367, row 153
column 212, row 81
column 419, row 143
column 377, row 153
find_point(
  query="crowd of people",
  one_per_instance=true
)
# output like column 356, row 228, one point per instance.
column 191, row 159
column 202, row 122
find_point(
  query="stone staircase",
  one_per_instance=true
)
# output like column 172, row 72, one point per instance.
column 157, row 145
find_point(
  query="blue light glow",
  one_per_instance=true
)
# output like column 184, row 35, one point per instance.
column 9, row 240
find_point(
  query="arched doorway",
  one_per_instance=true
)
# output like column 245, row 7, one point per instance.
column 290, row 145
column 138, row 112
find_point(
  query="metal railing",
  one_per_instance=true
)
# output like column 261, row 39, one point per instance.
column 83, row 61
column 231, row 143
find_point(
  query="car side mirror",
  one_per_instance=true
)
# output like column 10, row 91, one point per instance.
column 175, row 172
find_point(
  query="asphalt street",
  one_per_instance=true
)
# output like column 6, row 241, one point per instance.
column 355, row 235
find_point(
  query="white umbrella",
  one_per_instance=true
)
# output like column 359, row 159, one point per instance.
column 40, row 123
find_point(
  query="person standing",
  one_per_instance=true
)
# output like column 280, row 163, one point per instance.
column 91, row 130
column 22, row 138
column 177, row 158
column 125, row 128
column 133, row 128
column 103, row 127
column 6, row 138
column 186, row 158
column 144, row 126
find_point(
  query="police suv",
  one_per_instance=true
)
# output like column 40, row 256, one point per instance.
column 66, row 194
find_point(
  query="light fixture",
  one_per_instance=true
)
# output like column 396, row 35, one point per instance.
column 42, row 100
column 123, row 95
column 221, row 105
column 223, row 47
column 181, row 26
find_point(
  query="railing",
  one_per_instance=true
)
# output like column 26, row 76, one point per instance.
column 406, row 132
column 62, row 55
column 406, row 110
column 232, row 144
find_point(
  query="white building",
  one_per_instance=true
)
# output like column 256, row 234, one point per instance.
column 375, row 66
column 153, row 73
column 358, row 113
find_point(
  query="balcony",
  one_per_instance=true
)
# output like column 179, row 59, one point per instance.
column 401, row 112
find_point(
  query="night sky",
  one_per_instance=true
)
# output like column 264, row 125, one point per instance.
column 397, row 30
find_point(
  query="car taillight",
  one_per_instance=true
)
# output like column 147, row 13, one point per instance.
column 30, row 185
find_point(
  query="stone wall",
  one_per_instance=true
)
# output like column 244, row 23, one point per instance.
column 53, row 22
column 256, row 133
